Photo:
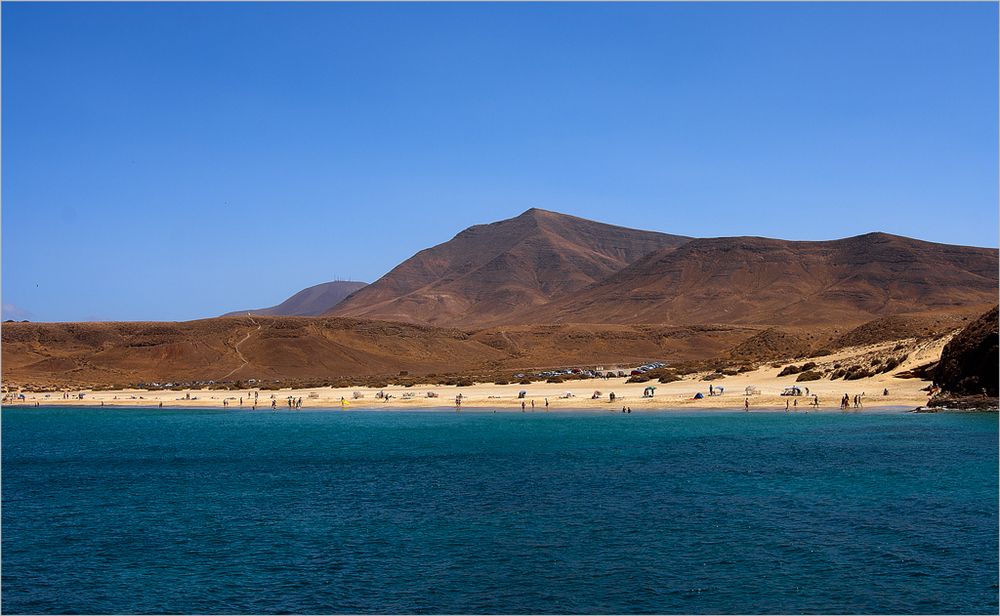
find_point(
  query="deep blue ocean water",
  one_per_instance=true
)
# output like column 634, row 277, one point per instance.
column 132, row 510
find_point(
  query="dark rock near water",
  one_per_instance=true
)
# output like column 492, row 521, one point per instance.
column 944, row 401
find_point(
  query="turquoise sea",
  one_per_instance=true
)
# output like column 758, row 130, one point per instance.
column 214, row 511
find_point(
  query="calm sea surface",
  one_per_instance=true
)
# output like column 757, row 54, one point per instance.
column 133, row 510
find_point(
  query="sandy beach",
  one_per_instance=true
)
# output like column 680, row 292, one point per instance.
column 573, row 394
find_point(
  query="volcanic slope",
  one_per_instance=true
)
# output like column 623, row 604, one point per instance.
column 759, row 281
column 230, row 349
column 310, row 302
column 490, row 274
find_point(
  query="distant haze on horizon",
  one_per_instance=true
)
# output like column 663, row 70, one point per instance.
column 179, row 161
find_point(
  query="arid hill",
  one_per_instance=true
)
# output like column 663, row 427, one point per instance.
column 595, row 345
column 309, row 302
column 230, row 348
column 490, row 274
column 758, row 281
column 326, row 349
column 898, row 327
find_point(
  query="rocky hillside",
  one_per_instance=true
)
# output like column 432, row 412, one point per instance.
column 760, row 281
column 969, row 366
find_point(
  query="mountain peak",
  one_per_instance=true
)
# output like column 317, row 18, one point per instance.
column 489, row 273
column 537, row 214
column 537, row 211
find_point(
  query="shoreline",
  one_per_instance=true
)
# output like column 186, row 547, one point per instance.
column 729, row 393
column 566, row 410
column 575, row 395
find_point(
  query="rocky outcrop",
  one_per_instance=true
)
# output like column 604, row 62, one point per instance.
column 968, row 371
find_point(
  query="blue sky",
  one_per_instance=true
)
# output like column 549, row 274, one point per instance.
column 176, row 161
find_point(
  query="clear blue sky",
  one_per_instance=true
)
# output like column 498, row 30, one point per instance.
column 175, row 161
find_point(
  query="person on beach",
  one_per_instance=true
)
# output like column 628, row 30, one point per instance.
column 711, row 389
column 885, row 392
column 241, row 400
column 274, row 405
column 786, row 405
column 522, row 406
column 161, row 405
column 546, row 403
column 795, row 402
column 746, row 404
column 815, row 400
column 532, row 404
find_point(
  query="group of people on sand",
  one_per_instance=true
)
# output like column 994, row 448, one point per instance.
column 524, row 405
column 293, row 403
column 795, row 403
column 251, row 395
column 858, row 400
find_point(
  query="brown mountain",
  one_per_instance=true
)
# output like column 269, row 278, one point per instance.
column 309, row 302
column 490, row 274
column 752, row 280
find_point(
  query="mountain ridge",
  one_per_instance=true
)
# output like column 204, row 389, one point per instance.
column 791, row 282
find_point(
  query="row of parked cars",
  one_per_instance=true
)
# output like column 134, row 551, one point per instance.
column 591, row 374
column 647, row 367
